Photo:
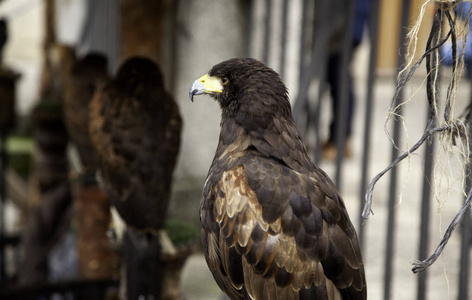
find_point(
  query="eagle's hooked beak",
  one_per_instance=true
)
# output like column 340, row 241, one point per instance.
column 205, row 85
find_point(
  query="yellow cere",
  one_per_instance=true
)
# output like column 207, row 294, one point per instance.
column 211, row 84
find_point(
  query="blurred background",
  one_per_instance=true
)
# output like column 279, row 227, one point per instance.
column 339, row 61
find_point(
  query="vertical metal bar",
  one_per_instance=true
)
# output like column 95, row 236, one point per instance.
column 303, row 36
column 465, row 254
column 344, row 85
column 173, row 41
column 391, row 221
column 300, row 104
column 317, row 66
column 369, row 106
column 249, row 27
column 3, row 162
column 318, row 34
column 317, row 114
column 432, row 65
column 283, row 39
column 466, row 228
column 268, row 14
column 425, row 215
column 105, row 35
column 393, row 174
column 322, row 35
column 113, row 15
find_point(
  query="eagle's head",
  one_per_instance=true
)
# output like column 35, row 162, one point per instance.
column 243, row 85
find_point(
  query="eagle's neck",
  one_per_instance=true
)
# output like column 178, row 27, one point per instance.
column 274, row 138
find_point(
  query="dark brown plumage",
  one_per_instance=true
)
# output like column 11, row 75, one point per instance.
column 135, row 128
column 86, row 75
column 273, row 224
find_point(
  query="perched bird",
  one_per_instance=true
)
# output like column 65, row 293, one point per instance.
column 85, row 76
column 135, row 127
column 273, row 224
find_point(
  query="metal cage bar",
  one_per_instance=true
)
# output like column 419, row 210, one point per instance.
column 466, row 239
column 373, row 34
column 267, row 31
column 390, row 239
column 425, row 215
column 283, row 39
column 3, row 162
column 344, row 86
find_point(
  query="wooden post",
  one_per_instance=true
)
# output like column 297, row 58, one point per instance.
column 7, row 122
column 143, row 265
column 141, row 28
column 92, row 211
column 46, row 89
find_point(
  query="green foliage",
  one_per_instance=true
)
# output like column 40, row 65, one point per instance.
column 48, row 106
column 19, row 154
column 181, row 232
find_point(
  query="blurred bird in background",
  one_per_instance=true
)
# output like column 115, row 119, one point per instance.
column 85, row 77
column 135, row 127
column 273, row 224
column 96, row 260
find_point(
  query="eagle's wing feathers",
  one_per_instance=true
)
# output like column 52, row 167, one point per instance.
column 279, row 230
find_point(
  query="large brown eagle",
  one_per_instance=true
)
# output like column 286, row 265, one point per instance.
column 135, row 127
column 273, row 224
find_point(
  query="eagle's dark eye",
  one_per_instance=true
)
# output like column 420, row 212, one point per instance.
column 224, row 80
